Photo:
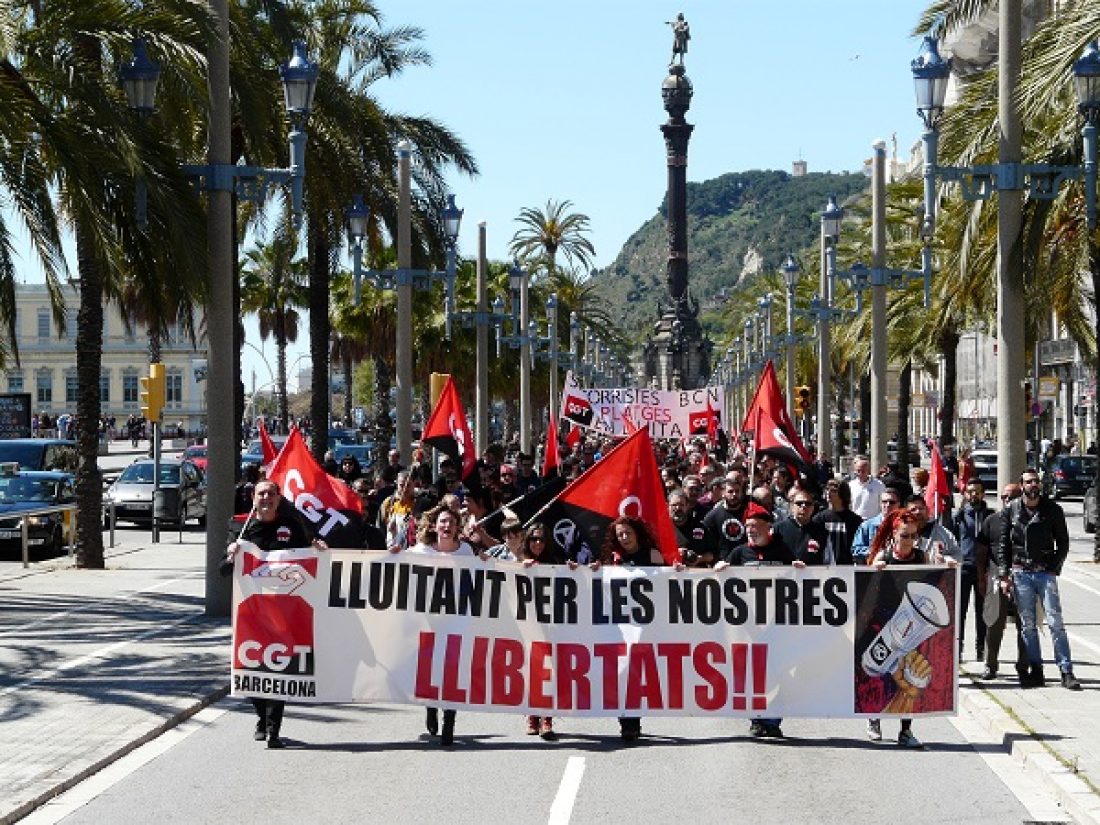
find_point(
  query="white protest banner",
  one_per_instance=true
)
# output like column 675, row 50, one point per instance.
column 354, row 626
column 667, row 413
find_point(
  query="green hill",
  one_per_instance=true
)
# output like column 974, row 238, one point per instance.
column 739, row 224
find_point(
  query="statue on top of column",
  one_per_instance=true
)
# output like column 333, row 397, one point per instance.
column 681, row 34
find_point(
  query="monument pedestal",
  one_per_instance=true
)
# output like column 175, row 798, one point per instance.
column 678, row 354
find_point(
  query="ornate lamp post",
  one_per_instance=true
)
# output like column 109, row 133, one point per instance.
column 1008, row 177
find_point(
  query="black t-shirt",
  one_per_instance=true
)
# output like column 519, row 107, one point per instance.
column 727, row 526
column 693, row 536
column 774, row 553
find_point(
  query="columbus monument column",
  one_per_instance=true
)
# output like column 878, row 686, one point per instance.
column 677, row 353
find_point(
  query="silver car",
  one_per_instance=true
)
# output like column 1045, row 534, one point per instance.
column 182, row 481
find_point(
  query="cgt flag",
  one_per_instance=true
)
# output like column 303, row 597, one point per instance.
column 325, row 502
column 448, row 431
column 769, row 398
column 625, row 482
column 551, row 461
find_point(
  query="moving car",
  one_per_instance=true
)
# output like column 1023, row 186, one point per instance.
column 985, row 468
column 1069, row 475
column 40, row 453
column 22, row 490
column 132, row 493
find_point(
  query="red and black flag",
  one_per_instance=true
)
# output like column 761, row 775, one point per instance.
column 937, row 495
column 769, row 398
column 625, row 482
column 449, row 432
column 768, row 438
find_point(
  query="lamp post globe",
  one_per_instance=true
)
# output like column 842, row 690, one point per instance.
column 299, row 76
column 930, row 76
column 139, row 79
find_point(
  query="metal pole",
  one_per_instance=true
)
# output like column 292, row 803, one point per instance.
column 220, row 322
column 789, row 389
column 552, row 333
column 1011, row 355
column 404, row 307
column 824, row 357
column 481, row 425
column 155, row 531
column 524, row 367
column 878, row 310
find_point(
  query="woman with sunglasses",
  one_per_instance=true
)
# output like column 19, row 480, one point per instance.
column 539, row 549
column 898, row 542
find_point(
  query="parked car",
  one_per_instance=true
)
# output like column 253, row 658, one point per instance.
column 254, row 452
column 362, row 453
column 132, row 493
column 892, row 452
column 1089, row 509
column 197, row 454
column 985, row 468
column 40, row 453
column 22, row 490
column 1069, row 475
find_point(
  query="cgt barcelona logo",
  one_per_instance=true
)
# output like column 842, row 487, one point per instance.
column 274, row 634
column 578, row 409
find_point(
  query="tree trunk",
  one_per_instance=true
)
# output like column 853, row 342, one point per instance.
column 1094, row 268
column 865, row 414
column 320, row 268
column 349, row 369
column 381, row 409
column 280, row 373
column 89, row 357
column 949, row 348
column 905, row 397
column 238, row 349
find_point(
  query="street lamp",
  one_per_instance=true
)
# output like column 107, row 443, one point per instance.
column 790, row 277
column 1008, row 177
column 220, row 178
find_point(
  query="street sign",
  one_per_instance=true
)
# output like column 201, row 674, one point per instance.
column 1049, row 386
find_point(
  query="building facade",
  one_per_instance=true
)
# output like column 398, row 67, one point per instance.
column 47, row 362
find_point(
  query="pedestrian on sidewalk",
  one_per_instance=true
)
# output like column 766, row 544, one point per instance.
column 998, row 606
column 270, row 526
column 967, row 525
column 1034, row 545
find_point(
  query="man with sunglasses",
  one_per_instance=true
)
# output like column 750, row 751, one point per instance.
column 1032, row 550
column 806, row 538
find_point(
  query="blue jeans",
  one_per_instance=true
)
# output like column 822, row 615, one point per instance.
column 1030, row 587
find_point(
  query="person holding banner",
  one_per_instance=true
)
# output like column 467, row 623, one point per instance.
column 898, row 542
column 629, row 542
column 270, row 526
column 438, row 533
column 764, row 548
column 537, row 549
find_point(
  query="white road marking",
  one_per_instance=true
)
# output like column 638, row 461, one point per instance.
column 95, row 654
column 562, row 809
column 61, row 806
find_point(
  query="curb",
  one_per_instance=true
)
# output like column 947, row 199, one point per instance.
column 174, row 720
column 1063, row 784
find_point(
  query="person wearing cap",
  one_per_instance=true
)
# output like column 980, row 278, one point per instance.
column 764, row 549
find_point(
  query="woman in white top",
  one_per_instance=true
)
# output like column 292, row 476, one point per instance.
column 438, row 534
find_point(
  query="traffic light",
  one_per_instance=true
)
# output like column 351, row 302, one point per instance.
column 152, row 393
column 803, row 401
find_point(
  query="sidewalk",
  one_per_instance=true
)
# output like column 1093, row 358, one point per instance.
column 1054, row 733
column 94, row 664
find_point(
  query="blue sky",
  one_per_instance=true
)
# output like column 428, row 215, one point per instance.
column 562, row 101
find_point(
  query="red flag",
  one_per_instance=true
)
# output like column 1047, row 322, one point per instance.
column 318, row 496
column 712, row 424
column 267, row 445
column 937, row 489
column 624, row 482
column 448, row 431
column 573, row 437
column 769, row 397
column 551, row 460
column 768, row 438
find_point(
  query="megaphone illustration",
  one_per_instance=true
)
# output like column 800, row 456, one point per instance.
column 922, row 612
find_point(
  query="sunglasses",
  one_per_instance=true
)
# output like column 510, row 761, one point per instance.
column 801, row 503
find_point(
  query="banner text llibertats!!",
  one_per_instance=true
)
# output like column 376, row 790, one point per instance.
column 354, row 626
column 667, row 413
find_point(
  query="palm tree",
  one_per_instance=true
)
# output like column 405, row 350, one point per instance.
column 273, row 287
column 543, row 233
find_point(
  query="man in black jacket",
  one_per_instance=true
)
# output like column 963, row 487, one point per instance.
column 966, row 524
column 1030, row 556
column 997, row 607
column 799, row 531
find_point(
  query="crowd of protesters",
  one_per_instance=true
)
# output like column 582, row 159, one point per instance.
column 730, row 510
